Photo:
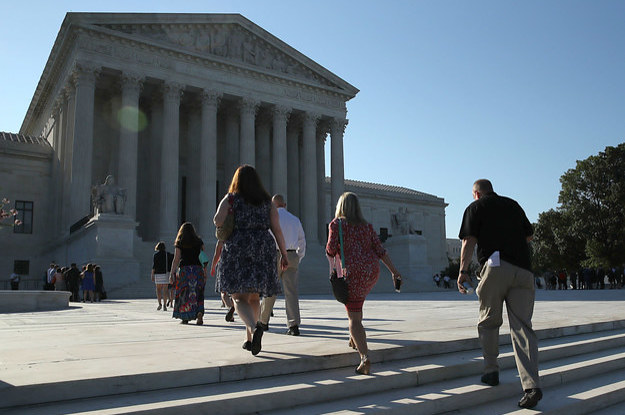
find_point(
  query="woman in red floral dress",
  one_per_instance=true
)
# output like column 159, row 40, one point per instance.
column 363, row 252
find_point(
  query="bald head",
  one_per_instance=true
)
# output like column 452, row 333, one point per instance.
column 482, row 187
column 278, row 201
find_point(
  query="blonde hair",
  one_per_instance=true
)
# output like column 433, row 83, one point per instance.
column 348, row 207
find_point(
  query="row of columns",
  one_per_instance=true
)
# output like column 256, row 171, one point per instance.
column 78, row 135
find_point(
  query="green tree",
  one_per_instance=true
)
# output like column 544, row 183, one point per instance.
column 555, row 246
column 593, row 197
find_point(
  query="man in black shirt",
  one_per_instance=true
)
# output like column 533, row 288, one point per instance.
column 502, row 232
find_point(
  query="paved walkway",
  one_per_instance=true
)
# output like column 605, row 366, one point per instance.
column 123, row 337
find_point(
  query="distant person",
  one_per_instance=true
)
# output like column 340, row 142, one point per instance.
column 160, row 275
column 99, row 283
column 295, row 241
column 190, row 279
column 15, row 281
column 73, row 281
column 502, row 232
column 58, row 280
column 49, row 284
column 247, row 267
column 446, row 281
column 88, row 283
column 226, row 299
column 363, row 252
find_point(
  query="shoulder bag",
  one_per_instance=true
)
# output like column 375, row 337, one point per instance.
column 224, row 231
column 339, row 285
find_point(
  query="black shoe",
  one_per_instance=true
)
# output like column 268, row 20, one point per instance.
column 531, row 398
column 293, row 331
column 264, row 326
column 256, row 339
column 184, row 322
column 491, row 378
column 230, row 315
column 247, row 346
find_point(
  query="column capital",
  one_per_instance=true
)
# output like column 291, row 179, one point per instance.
column 172, row 90
column 337, row 125
column 210, row 97
column 84, row 73
column 58, row 104
column 311, row 118
column 281, row 112
column 323, row 128
column 132, row 82
column 249, row 105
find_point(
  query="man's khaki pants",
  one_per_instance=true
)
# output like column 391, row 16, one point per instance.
column 289, row 279
column 514, row 286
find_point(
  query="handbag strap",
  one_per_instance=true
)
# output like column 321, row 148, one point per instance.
column 341, row 243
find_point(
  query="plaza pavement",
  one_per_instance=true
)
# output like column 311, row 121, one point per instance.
column 127, row 337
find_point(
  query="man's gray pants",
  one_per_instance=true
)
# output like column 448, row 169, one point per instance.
column 289, row 279
column 514, row 286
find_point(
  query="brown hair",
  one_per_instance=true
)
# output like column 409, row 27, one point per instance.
column 160, row 246
column 186, row 237
column 246, row 182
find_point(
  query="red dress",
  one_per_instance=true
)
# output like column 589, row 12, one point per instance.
column 362, row 251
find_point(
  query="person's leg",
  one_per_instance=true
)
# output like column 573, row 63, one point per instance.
column 245, row 311
column 357, row 332
column 491, row 292
column 266, row 307
column 158, row 296
column 520, row 307
column 291, row 294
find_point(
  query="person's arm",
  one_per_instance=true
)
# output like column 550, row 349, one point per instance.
column 216, row 256
column 466, row 254
column 301, row 242
column 174, row 265
column 386, row 260
column 277, row 233
column 222, row 212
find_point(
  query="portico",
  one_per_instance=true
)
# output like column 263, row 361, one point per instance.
column 172, row 104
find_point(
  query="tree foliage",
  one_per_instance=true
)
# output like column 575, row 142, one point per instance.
column 590, row 222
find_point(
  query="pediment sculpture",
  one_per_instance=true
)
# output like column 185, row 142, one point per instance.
column 229, row 41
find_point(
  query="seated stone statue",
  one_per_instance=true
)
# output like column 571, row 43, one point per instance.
column 108, row 197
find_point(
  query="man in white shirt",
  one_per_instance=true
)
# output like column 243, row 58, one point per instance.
column 296, row 249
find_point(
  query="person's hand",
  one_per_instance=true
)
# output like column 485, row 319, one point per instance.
column 284, row 262
column 172, row 278
column 461, row 279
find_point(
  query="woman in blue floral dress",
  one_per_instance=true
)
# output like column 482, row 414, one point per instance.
column 247, row 266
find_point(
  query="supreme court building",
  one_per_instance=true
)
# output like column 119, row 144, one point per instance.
column 170, row 105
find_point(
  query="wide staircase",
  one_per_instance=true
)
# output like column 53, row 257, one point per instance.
column 582, row 369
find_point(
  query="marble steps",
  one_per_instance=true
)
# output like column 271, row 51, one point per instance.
column 595, row 380
column 308, row 380
column 603, row 394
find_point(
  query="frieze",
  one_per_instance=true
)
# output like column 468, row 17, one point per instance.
column 228, row 41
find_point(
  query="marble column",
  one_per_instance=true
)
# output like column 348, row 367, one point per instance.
column 293, row 166
column 128, row 140
column 56, row 187
column 279, row 176
column 263, row 149
column 309, row 179
column 169, row 162
column 208, row 163
column 337, row 129
column 322, row 132
column 247, row 144
column 68, row 137
column 232, row 146
column 82, row 152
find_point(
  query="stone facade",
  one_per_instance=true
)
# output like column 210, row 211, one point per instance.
column 170, row 105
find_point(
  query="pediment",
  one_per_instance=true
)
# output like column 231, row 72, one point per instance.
column 241, row 43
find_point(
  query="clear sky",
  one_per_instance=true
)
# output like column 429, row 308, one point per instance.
column 450, row 91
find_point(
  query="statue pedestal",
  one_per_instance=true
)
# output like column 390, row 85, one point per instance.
column 107, row 240
column 409, row 254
